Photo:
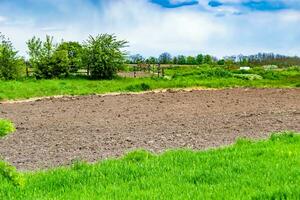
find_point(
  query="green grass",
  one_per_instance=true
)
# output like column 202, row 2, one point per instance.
column 177, row 77
column 6, row 127
column 266, row 169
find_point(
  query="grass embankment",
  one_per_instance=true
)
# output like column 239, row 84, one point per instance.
column 268, row 169
column 178, row 77
column 6, row 127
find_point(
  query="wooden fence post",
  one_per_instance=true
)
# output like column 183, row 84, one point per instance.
column 134, row 71
column 158, row 70
column 27, row 72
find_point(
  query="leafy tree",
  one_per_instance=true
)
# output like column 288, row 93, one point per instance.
column 152, row 60
column 34, row 46
column 10, row 64
column 207, row 59
column 190, row 60
column 175, row 60
column 48, row 60
column 74, row 53
column 103, row 55
column 199, row 59
column 48, row 47
column 165, row 58
column 136, row 59
column 181, row 60
column 60, row 64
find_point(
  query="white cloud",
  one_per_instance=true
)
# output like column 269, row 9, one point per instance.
column 2, row 19
column 152, row 30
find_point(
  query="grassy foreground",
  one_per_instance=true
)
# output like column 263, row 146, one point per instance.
column 267, row 169
column 179, row 77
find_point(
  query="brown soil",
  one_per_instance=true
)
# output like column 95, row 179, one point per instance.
column 53, row 132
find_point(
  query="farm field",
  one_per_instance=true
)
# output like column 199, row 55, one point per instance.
column 54, row 132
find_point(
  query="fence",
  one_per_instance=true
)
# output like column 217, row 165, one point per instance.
column 153, row 70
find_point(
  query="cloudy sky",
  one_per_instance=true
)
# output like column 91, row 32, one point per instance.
column 217, row 27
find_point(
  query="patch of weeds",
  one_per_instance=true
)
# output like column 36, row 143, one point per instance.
column 10, row 173
column 286, row 136
column 250, row 77
column 138, row 156
column 138, row 87
column 79, row 165
column 6, row 127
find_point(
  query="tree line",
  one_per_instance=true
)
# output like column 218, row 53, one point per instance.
column 102, row 56
column 166, row 58
column 259, row 59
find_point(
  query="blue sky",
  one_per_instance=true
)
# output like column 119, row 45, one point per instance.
column 218, row 27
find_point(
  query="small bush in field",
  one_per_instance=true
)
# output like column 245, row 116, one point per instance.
column 6, row 127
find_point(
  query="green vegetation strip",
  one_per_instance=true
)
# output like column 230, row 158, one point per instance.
column 6, row 127
column 266, row 169
column 177, row 77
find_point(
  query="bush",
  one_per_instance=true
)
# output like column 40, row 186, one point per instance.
column 6, row 127
column 103, row 56
column 11, row 65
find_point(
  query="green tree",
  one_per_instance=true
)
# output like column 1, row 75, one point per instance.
column 152, row 60
column 190, row 60
column 11, row 65
column 104, row 56
column 199, row 59
column 207, row 59
column 165, row 58
column 48, row 60
column 175, row 60
column 181, row 60
column 74, row 54
column 59, row 65
column 137, row 59
column 34, row 46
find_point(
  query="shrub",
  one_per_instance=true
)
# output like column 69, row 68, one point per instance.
column 6, row 127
